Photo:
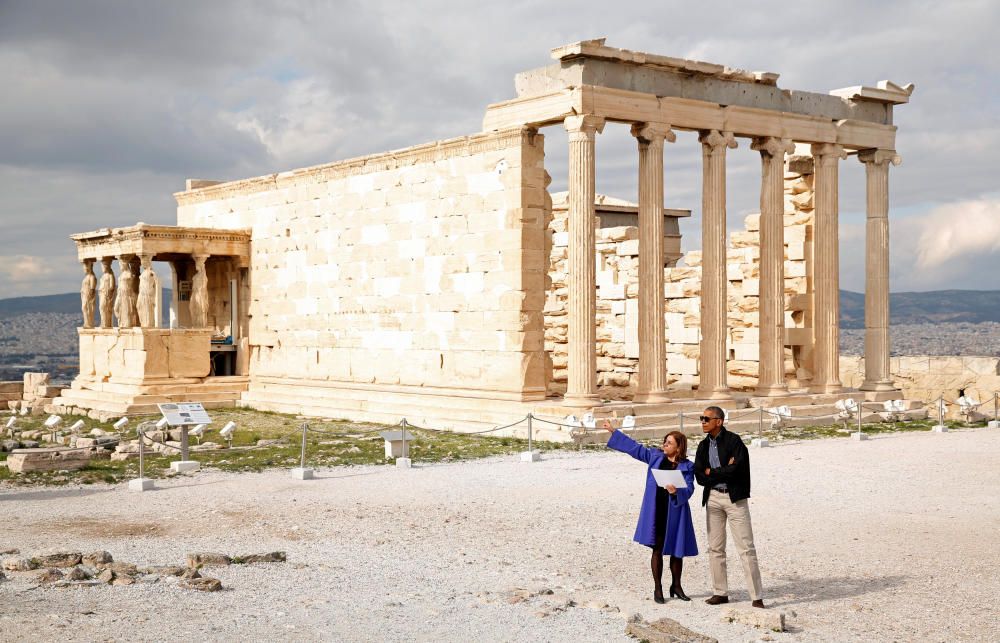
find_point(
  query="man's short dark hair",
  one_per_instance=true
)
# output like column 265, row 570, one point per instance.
column 717, row 412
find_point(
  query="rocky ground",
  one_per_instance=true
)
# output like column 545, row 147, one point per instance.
column 889, row 539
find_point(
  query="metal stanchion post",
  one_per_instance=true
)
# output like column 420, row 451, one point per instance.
column 680, row 421
column 860, row 435
column 940, row 427
column 405, row 462
column 760, row 440
column 530, row 455
column 995, row 422
column 142, row 483
column 301, row 472
column 185, row 464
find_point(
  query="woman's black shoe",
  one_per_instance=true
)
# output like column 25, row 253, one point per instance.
column 678, row 593
column 658, row 597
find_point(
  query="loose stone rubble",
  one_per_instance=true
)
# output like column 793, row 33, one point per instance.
column 773, row 620
column 64, row 569
column 664, row 630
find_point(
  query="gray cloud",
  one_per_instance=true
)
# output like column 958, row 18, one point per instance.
column 109, row 105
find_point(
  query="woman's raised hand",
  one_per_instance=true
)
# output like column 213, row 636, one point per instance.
column 606, row 425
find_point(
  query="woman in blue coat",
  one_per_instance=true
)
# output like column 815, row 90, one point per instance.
column 665, row 517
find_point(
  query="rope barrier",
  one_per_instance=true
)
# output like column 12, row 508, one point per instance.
column 578, row 432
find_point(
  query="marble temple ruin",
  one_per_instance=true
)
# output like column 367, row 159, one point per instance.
column 444, row 283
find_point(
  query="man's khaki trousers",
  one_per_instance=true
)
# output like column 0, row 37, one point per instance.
column 721, row 509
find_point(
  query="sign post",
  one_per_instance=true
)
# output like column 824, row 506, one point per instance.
column 184, row 415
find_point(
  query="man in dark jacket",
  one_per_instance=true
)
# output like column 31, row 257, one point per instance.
column 722, row 467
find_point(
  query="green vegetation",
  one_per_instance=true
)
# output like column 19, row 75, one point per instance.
column 343, row 443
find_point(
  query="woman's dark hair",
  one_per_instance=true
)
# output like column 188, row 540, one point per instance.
column 682, row 443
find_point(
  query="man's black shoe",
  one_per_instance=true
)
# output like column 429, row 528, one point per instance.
column 717, row 600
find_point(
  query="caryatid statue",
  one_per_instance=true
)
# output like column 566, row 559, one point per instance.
column 199, row 293
column 147, row 294
column 124, row 303
column 88, row 293
column 108, row 289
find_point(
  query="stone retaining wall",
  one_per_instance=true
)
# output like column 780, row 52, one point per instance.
column 419, row 268
column 926, row 378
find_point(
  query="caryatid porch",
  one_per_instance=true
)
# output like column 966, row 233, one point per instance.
column 592, row 84
column 128, row 360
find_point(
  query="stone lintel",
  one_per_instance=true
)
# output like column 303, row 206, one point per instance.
column 886, row 92
column 592, row 63
column 597, row 50
column 629, row 106
column 145, row 239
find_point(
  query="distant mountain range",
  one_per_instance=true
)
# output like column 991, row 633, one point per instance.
column 940, row 306
column 65, row 303
column 934, row 307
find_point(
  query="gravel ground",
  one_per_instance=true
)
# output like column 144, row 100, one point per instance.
column 891, row 539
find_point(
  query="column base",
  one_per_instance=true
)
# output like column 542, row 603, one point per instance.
column 582, row 400
column 878, row 385
column 826, row 388
column 653, row 397
column 714, row 393
column 776, row 390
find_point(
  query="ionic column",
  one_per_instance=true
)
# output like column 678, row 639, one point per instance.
column 146, row 303
column 108, row 289
column 714, row 305
column 125, row 301
column 771, row 374
column 826, row 271
column 88, row 293
column 581, row 388
column 652, row 340
column 198, row 304
column 877, row 374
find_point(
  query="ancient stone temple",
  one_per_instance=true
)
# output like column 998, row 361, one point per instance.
column 443, row 283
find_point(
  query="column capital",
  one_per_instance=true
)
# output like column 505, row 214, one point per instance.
column 584, row 123
column 716, row 141
column 879, row 157
column 772, row 145
column 826, row 152
column 653, row 132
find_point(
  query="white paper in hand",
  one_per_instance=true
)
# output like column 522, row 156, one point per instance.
column 669, row 476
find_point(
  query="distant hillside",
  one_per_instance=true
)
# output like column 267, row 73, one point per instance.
column 935, row 307
column 64, row 303
column 969, row 306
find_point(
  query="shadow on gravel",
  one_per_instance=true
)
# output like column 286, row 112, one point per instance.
column 50, row 494
column 816, row 590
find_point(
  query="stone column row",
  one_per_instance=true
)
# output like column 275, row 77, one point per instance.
column 582, row 382
column 132, row 298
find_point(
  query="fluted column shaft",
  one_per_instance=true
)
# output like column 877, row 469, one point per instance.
column 714, row 304
column 771, row 376
column 877, row 374
column 826, row 271
column 652, row 336
column 581, row 306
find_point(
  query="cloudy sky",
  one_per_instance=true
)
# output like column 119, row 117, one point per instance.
column 107, row 106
